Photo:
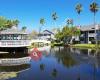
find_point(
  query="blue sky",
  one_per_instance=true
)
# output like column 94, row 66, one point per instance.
column 29, row 12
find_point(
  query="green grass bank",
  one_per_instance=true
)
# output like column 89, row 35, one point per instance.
column 92, row 46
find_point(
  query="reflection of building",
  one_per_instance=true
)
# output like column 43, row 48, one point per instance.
column 17, row 68
column 88, row 34
column 87, row 56
column 47, row 35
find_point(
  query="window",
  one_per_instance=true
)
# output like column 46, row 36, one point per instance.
column 92, row 31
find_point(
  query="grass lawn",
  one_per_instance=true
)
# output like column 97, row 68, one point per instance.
column 93, row 46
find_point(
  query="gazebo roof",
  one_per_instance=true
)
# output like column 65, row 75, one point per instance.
column 13, row 30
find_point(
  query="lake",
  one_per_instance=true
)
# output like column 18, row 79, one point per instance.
column 59, row 63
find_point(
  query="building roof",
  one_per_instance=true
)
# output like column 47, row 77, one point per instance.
column 47, row 32
column 13, row 30
column 90, row 27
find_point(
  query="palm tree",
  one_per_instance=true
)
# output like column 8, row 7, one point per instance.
column 9, row 23
column 94, row 8
column 54, row 17
column 5, row 23
column 15, row 22
column 24, row 28
column 70, row 21
column 78, row 9
column 42, row 22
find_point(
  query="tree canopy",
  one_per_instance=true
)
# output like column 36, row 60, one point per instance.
column 67, row 32
column 7, row 23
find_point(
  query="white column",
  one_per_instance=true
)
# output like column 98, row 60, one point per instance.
column 88, row 36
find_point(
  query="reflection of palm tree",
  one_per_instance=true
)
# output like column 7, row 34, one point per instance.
column 54, row 72
column 78, row 78
column 65, row 58
column 42, row 67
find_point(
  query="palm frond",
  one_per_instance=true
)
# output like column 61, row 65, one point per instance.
column 54, row 16
column 94, row 7
column 42, row 21
column 78, row 8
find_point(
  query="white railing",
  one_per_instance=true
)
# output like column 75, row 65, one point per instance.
column 14, row 43
column 40, row 40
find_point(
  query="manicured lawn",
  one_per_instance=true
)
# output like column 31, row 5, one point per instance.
column 85, row 45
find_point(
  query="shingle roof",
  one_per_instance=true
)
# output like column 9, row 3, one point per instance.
column 90, row 27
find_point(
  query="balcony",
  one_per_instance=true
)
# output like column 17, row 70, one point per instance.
column 14, row 43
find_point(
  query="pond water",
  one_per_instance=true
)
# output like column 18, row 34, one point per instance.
column 61, row 64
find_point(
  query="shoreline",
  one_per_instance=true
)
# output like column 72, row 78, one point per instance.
column 85, row 46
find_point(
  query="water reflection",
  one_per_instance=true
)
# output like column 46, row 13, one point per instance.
column 7, row 72
column 63, row 56
column 88, row 56
column 42, row 67
column 18, row 68
column 54, row 73
column 7, row 75
column 12, row 55
column 64, row 64
column 89, row 52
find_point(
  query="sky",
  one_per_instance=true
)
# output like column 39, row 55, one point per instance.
column 29, row 12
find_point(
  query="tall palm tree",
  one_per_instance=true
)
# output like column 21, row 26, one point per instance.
column 42, row 22
column 54, row 17
column 78, row 9
column 94, row 9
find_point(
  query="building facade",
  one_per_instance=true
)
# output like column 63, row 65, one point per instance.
column 13, row 47
column 90, row 34
column 47, row 35
column 13, row 38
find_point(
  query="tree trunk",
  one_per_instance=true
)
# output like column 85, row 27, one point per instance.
column 95, row 30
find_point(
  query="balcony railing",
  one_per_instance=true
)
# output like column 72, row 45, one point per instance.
column 14, row 43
